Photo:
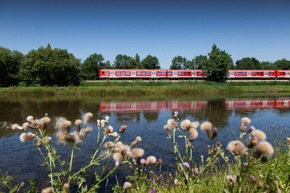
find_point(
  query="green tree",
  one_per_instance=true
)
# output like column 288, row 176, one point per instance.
column 135, row 63
column 248, row 64
column 51, row 67
column 150, row 62
column 199, row 62
column 91, row 67
column 180, row 62
column 217, row 65
column 282, row 64
column 10, row 62
column 122, row 61
column 267, row 66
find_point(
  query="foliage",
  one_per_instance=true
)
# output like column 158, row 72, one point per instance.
column 51, row 67
column 150, row 62
column 199, row 62
column 9, row 66
column 180, row 62
column 122, row 62
column 91, row 67
column 217, row 65
column 282, row 64
column 248, row 64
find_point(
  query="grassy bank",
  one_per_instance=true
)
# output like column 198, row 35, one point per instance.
column 111, row 88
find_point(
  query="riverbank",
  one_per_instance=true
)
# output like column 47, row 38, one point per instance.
column 111, row 88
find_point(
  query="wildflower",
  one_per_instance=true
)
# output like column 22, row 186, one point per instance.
column 137, row 140
column 66, row 187
column 167, row 129
column 126, row 151
column 63, row 125
column 103, row 122
column 206, row 126
column 16, row 126
column 186, row 164
column 109, row 129
column 264, row 149
column 196, row 171
column 107, row 119
column 150, row 160
column 185, row 124
column 172, row 123
column 142, row 161
column 39, row 143
column 176, row 182
column 109, row 145
column 245, row 121
column 119, row 147
column 252, row 178
column 26, row 125
column 26, row 137
column 31, row 120
column 43, row 122
column 88, row 117
column 85, row 131
column 117, row 157
column 231, row 180
column 137, row 153
column 260, row 135
column 47, row 190
column 78, row 123
column 193, row 134
column 22, row 184
column 175, row 114
column 127, row 186
column 252, row 141
column 152, row 190
column 194, row 125
column 236, row 147
column 98, row 123
column 123, row 128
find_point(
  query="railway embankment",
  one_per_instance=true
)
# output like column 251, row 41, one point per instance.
column 123, row 88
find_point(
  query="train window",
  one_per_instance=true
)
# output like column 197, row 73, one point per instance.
column 107, row 73
column 123, row 73
column 170, row 73
column 127, row 73
column 118, row 73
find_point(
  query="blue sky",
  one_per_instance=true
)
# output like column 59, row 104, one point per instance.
column 162, row 28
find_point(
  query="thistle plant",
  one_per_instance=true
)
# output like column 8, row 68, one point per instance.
column 65, row 173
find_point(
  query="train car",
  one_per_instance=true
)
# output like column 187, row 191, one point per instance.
column 283, row 74
column 132, row 74
column 251, row 74
column 185, row 74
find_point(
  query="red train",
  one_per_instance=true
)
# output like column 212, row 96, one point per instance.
column 189, row 74
column 232, row 104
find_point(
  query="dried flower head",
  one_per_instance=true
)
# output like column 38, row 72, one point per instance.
column 109, row 145
column 127, row 186
column 88, row 117
column 265, row 149
column 206, row 126
column 137, row 153
column 193, row 134
column 194, row 125
column 185, row 124
column 172, row 123
column 16, row 126
column 123, row 128
column 63, row 124
column 236, row 147
column 107, row 119
column 137, row 140
column 47, row 190
column 231, row 180
column 26, row 136
column 150, row 160
column 31, row 120
column 109, row 129
column 103, row 122
column 43, row 122
column 260, row 135
column 66, row 187
column 78, row 123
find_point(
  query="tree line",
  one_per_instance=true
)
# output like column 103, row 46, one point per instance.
column 57, row 66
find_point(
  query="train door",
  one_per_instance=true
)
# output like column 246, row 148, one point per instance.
column 287, row 74
column 153, row 74
column 231, row 74
column 133, row 73
column 112, row 74
column 266, row 74
column 249, row 74
column 174, row 74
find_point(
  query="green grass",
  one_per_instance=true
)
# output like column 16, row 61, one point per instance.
column 125, row 88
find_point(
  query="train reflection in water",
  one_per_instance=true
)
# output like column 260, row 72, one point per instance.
column 191, row 105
